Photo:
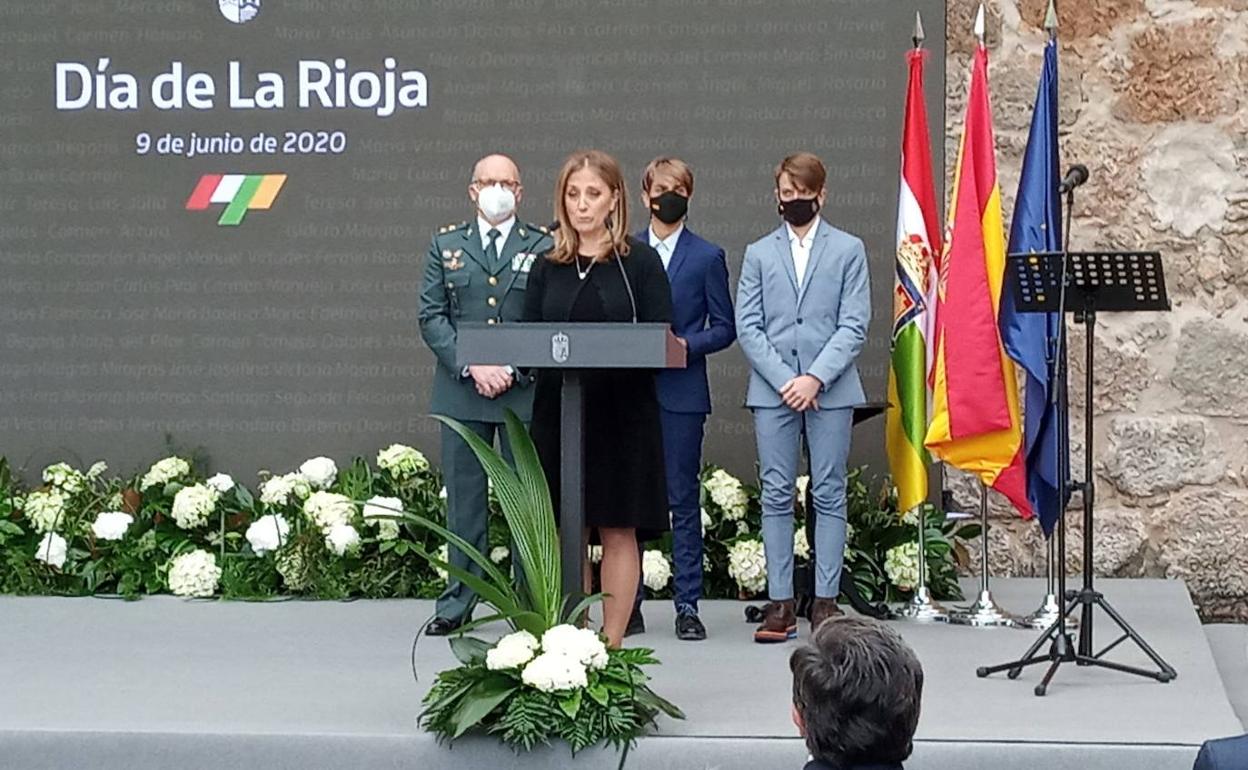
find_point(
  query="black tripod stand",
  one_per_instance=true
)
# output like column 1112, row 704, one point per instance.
column 1104, row 281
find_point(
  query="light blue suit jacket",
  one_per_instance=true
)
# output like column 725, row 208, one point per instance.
column 818, row 329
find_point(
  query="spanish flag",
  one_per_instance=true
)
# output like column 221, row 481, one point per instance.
column 914, row 294
column 976, row 423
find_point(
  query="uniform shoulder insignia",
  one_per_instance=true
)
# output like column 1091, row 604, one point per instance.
column 543, row 229
column 451, row 227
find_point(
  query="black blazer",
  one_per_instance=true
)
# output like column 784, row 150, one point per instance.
column 553, row 288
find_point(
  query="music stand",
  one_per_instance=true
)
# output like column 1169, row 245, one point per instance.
column 1085, row 283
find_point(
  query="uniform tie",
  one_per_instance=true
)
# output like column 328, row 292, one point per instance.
column 491, row 251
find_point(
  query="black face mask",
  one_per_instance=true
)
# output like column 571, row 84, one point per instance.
column 670, row 207
column 799, row 211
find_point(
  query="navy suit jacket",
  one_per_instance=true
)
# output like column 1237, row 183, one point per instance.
column 1223, row 754
column 701, row 314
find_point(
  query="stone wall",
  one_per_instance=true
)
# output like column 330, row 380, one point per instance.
column 1155, row 102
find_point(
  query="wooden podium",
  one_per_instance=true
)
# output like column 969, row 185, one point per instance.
column 571, row 347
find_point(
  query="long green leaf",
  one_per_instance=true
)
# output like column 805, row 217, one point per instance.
column 469, row 651
column 484, row 696
column 526, row 506
column 503, row 600
column 492, row 572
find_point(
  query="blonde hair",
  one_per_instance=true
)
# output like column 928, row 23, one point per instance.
column 805, row 169
column 567, row 240
column 674, row 167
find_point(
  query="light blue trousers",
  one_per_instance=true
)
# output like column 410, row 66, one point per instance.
column 779, row 433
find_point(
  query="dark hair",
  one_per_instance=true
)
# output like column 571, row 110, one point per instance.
column 857, row 686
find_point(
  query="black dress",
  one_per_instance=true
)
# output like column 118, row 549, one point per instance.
column 625, row 482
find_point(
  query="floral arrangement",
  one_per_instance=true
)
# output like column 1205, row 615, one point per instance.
column 548, row 678
column 328, row 532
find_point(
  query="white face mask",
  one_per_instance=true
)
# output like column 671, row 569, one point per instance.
column 496, row 202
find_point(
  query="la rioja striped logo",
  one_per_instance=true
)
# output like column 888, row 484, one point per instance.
column 239, row 192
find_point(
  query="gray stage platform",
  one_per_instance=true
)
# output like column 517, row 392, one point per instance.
column 162, row 683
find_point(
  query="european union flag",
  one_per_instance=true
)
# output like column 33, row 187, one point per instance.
column 1037, row 226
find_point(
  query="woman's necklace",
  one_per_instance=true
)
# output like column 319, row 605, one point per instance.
column 583, row 274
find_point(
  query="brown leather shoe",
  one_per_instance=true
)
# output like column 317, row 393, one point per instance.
column 822, row 610
column 779, row 623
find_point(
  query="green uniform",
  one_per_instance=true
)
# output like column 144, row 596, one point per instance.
column 462, row 283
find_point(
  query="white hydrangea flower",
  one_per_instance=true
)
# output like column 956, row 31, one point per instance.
column 401, row 461
column 342, row 538
column 193, row 505
column 901, row 564
column 194, row 573
column 45, row 509
column 726, row 492
column 326, row 509
column 268, row 533
column 222, row 482
column 801, row 545
column 656, row 570
column 378, row 508
column 803, row 483
column 278, row 490
column 499, row 554
column 743, row 527
column 52, row 550
column 580, row 644
column 551, row 672
column 111, row 525
column 707, row 521
column 320, row 472
column 65, row 478
column 97, row 469
column 377, row 511
column 747, row 565
column 164, row 471
column 444, row 553
column 595, row 554
column 512, row 651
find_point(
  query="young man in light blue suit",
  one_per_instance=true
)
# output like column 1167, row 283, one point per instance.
column 803, row 305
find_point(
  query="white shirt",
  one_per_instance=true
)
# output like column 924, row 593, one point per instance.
column 800, row 248
column 504, row 229
column 666, row 246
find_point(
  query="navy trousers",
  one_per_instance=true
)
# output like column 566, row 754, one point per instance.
column 682, row 459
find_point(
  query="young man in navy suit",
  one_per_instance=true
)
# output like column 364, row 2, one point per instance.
column 704, row 323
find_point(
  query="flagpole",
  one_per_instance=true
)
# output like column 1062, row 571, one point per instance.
column 985, row 612
column 1050, row 607
column 922, row 607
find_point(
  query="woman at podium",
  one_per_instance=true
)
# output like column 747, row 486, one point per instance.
column 597, row 273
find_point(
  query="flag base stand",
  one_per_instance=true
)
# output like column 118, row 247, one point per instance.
column 1050, row 608
column 922, row 608
column 1048, row 613
column 984, row 613
column 1129, row 281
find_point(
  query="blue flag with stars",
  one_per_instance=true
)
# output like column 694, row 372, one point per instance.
column 1036, row 227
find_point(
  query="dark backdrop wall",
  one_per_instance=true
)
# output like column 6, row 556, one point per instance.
column 130, row 323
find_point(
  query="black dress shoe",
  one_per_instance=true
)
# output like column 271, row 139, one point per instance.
column 636, row 623
column 689, row 627
column 442, row 627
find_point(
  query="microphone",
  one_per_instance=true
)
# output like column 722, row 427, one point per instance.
column 1075, row 176
column 632, row 300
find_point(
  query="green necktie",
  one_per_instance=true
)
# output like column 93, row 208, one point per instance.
column 491, row 251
